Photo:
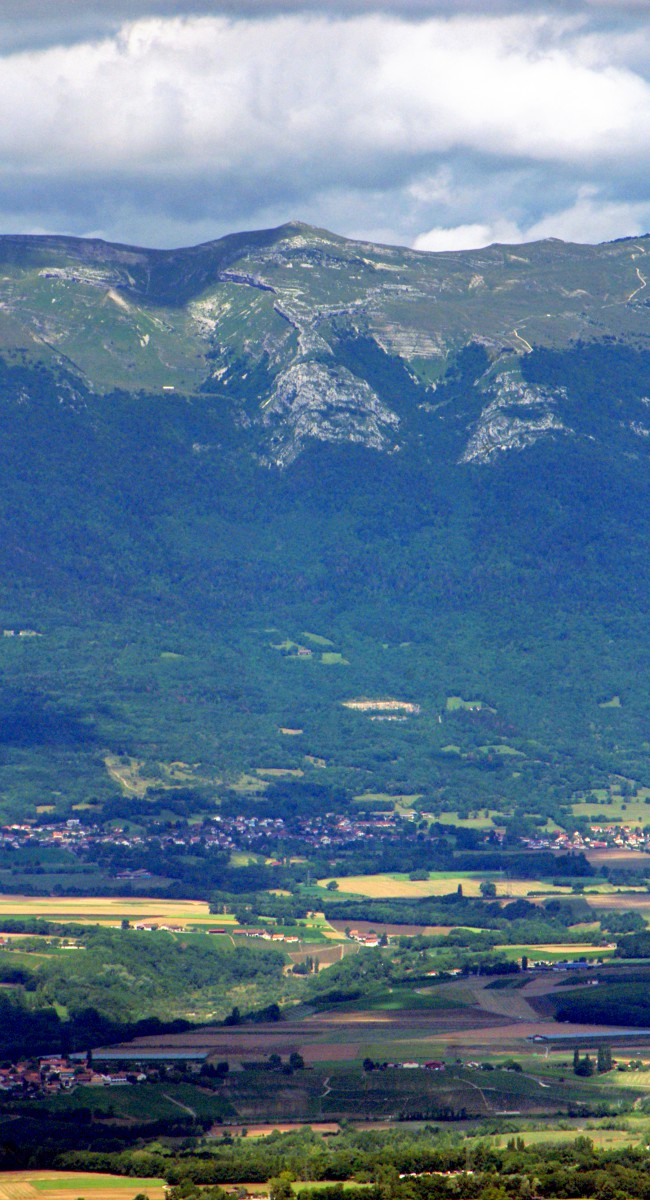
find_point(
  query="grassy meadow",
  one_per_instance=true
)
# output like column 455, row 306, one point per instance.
column 603, row 1139
column 615, row 808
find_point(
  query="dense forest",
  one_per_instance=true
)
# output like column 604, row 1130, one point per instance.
column 410, row 569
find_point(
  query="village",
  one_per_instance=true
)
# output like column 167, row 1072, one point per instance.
column 231, row 833
column 600, row 837
column 236, row 834
column 52, row 1074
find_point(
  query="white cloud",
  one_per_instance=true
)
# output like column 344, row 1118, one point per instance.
column 211, row 119
column 589, row 219
column 467, row 237
column 183, row 94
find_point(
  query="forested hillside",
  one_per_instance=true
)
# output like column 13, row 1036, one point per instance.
column 382, row 480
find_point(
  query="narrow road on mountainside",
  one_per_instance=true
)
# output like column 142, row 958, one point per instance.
column 644, row 283
column 522, row 340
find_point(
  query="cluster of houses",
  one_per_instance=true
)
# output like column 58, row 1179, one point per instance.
column 261, row 834
column 366, row 939
column 264, row 935
column 600, row 837
column 624, row 836
column 53, row 1074
column 230, row 833
column 433, row 1065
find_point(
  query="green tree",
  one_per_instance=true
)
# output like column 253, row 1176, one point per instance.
column 604, row 1059
column 280, row 1188
column 585, row 1067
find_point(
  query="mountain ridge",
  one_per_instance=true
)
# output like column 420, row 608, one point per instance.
column 275, row 304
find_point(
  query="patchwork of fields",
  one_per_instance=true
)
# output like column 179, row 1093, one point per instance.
column 55, row 1185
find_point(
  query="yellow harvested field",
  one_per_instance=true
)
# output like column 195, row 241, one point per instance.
column 55, row 1185
column 568, row 948
column 278, row 1127
column 380, row 886
column 628, row 901
column 109, row 910
column 279, row 772
column 400, row 706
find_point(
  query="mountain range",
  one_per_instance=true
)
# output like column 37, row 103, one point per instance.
column 287, row 506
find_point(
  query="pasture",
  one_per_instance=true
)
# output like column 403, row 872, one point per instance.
column 482, row 820
column 615, row 809
column 603, row 1139
column 401, row 798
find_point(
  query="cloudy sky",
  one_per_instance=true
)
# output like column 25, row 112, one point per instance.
column 435, row 123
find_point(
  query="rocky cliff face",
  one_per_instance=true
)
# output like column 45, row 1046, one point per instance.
column 515, row 416
column 323, row 402
column 256, row 318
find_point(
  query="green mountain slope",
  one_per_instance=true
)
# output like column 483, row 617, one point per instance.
column 247, row 483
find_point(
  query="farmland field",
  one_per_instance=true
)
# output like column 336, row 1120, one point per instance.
column 439, row 884
column 624, row 901
column 51, row 1185
column 156, row 1101
column 557, row 951
column 393, row 930
column 615, row 856
column 110, row 910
